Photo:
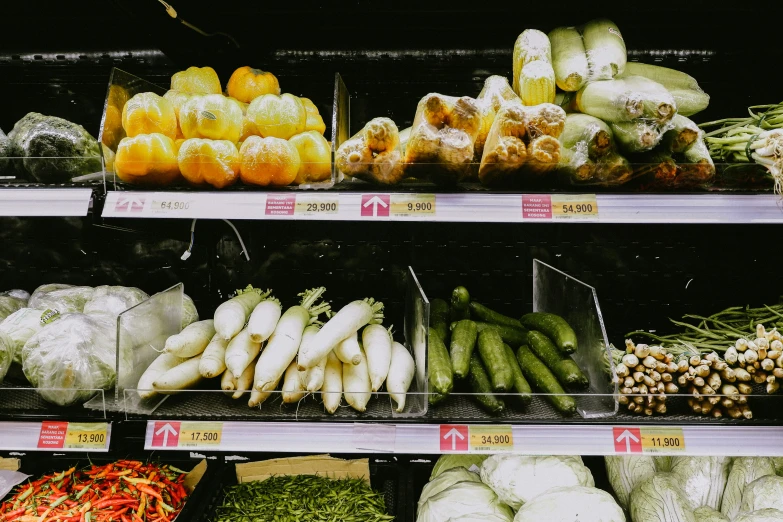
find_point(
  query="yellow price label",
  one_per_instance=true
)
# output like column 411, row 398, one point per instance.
column 662, row 440
column 413, row 204
column 198, row 434
column 84, row 435
column 491, row 438
column 574, row 206
column 316, row 205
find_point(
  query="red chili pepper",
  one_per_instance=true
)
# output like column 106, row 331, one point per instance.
column 15, row 513
column 149, row 491
column 114, row 502
column 56, row 491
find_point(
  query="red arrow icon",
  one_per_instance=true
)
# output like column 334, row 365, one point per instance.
column 453, row 437
column 375, row 205
column 165, row 434
column 627, row 440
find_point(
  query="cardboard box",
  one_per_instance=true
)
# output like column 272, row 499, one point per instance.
column 323, row 465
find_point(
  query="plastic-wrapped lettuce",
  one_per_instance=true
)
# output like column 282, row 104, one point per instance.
column 778, row 463
column 762, row 493
column 625, row 472
column 658, row 498
column 189, row 311
column 568, row 504
column 463, row 499
column 71, row 357
column 445, row 480
column 744, row 470
column 10, row 304
column 65, row 299
column 113, row 300
column 707, row 514
column 446, row 462
column 17, row 328
column 518, row 479
column 6, row 355
column 703, row 479
column 762, row 515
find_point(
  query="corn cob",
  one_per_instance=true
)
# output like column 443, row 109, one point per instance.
column 671, row 79
column 496, row 91
column 605, row 49
column 595, row 133
column 636, row 136
column 543, row 154
column 569, row 59
column 381, row 134
column 530, row 45
column 546, row 119
column 682, row 135
column 698, row 164
column 537, row 83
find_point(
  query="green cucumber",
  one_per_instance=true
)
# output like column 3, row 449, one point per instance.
column 554, row 327
column 510, row 335
column 439, row 318
column 460, row 299
column 538, row 374
column 439, row 374
column 493, row 355
column 564, row 368
column 479, row 383
column 463, row 340
column 488, row 315
column 520, row 383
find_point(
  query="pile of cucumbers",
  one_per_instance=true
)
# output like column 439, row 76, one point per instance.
column 497, row 354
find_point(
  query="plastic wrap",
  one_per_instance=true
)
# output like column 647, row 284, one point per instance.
column 658, row 498
column 189, row 311
column 443, row 137
column 534, row 77
column 17, row 329
column 461, row 499
column 373, row 154
column 703, row 479
column 10, row 304
column 495, row 92
column 627, row 99
column 63, row 298
column 6, row 355
column 688, row 96
column 71, row 357
column 637, row 136
column 213, row 116
column 148, row 113
column 595, row 51
column 569, row 504
column 113, row 300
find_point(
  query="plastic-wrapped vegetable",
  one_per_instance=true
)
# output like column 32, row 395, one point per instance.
column 373, row 153
column 518, row 479
column 605, row 49
column 682, row 134
column 17, row 329
column 624, row 472
column 744, row 470
column 6, row 355
column 446, row 462
column 594, row 133
column 189, row 311
column 778, row 463
column 626, row 99
column 659, row 497
column 63, row 298
column 697, row 165
column 685, row 90
column 762, row 515
column 707, row 514
column 764, row 492
column 10, row 304
column 569, row 504
column 445, row 480
column 113, row 300
column 636, row 136
column 703, row 479
column 462, row 499
column 569, row 58
column 71, row 357
column 495, row 92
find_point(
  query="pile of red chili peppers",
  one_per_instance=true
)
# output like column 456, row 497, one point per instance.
column 123, row 491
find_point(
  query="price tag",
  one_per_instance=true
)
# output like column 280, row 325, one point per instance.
column 199, row 434
column 86, row 435
column 491, row 438
column 574, row 206
column 317, row 205
column 170, row 206
column 413, row 204
column 662, row 440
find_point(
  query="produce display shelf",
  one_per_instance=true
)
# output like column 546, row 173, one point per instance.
column 38, row 201
column 55, row 435
column 448, row 207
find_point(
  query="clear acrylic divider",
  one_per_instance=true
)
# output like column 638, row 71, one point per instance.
column 141, row 335
column 417, row 320
column 558, row 293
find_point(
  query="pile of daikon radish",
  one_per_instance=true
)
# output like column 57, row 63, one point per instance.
column 254, row 346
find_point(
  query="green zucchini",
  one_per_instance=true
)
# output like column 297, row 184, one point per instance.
column 493, row 355
column 538, row 374
column 488, row 315
column 460, row 299
column 479, row 383
column 554, row 327
column 463, row 340
column 439, row 318
column 439, row 374
column 510, row 335
column 520, row 383
column 564, row 368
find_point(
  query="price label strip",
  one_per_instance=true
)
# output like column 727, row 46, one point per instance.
column 406, row 205
column 574, row 206
column 170, row 206
column 320, row 205
column 200, row 434
column 491, row 438
column 662, row 440
column 88, row 436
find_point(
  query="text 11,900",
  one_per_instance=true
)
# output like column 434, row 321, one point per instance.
column 665, row 442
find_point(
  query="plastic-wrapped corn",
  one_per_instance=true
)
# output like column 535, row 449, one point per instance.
column 636, row 136
column 569, row 59
column 543, row 153
column 698, row 165
column 682, row 134
column 373, row 154
column 496, row 91
column 534, row 78
column 605, row 49
column 531, row 45
column 546, row 119
column 594, row 133
column 685, row 90
column 627, row 99
column 612, row 169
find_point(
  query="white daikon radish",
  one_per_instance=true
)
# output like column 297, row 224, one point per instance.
column 332, row 390
column 285, row 341
column 258, row 397
column 184, row 376
column 347, row 350
column 245, row 381
column 192, row 340
column 264, row 318
column 314, row 377
column 231, row 316
column 293, row 384
column 356, row 384
column 400, row 376
column 240, row 352
column 162, row 363
column 377, row 342
column 213, row 359
column 228, row 383
column 344, row 323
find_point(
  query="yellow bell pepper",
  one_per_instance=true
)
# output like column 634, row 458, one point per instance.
column 315, row 156
column 278, row 116
column 112, row 131
column 314, row 120
column 148, row 113
column 268, row 161
column 196, row 80
column 247, row 84
column 177, row 99
column 147, row 159
column 211, row 116
column 213, row 162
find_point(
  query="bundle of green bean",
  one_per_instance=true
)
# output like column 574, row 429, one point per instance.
column 302, row 498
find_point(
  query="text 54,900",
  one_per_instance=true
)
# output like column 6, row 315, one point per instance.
column 579, row 208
